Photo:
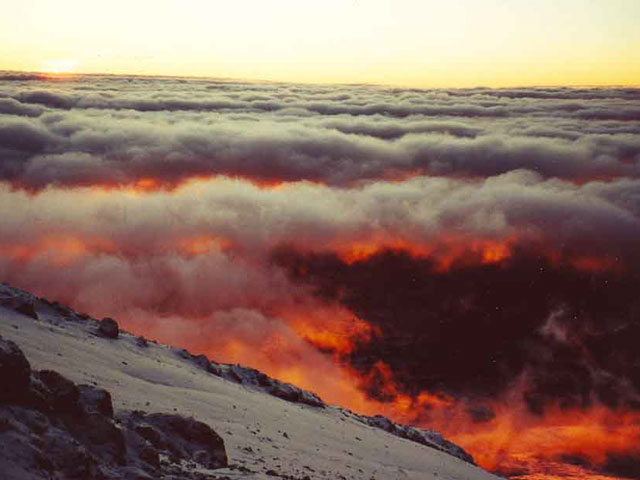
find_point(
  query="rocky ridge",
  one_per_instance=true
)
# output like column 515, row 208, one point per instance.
column 28, row 304
column 52, row 428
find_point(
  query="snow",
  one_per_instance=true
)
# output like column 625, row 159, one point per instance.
column 262, row 432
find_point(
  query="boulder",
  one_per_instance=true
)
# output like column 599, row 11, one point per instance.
column 202, row 361
column 108, row 328
column 150, row 455
column 15, row 371
column 62, row 395
column 102, row 437
column 182, row 438
column 96, row 400
column 20, row 305
column 56, row 429
column 26, row 308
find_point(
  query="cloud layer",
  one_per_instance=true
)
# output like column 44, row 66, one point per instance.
column 443, row 256
column 117, row 131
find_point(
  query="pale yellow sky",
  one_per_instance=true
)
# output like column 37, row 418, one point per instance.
column 402, row 42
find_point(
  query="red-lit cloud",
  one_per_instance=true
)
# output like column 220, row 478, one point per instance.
column 465, row 260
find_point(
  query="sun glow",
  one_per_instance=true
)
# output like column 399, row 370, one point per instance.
column 59, row 66
column 408, row 42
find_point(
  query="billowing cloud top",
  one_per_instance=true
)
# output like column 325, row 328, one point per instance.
column 117, row 131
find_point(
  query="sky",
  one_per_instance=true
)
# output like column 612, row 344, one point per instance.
column 422, row 43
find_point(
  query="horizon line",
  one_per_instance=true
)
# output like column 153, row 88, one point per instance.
column 593, row 86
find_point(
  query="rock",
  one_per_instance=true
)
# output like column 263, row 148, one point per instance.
column 15, row 371
column 62, row 310
column 428, row 438
column 203, row 362
column 62, row 394
column 182, row 438
column 96, row 400
column 70, row 459
column 183, row 353
column 154, row 436
column 215, row 369
column 36, row 422
column 20, row 305
column 108, row 328
column 134, row 473
column 310, row 398
column 67, row 431
column 142, row 342
column 150, row 455
column 26, row 308
column 291, row 393
column 253, row 378
column 102, row 437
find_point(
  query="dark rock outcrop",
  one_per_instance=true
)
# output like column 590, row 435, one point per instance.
column 428, row 438
column 21, row 305
column 15, row 371
column 179, row 437
column 62, row 395
column 96, row 400
column 255, row 379
column 53, row 397
column 52, row 428
column 108, row 328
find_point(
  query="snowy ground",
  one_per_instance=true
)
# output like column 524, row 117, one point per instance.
column 262, row 433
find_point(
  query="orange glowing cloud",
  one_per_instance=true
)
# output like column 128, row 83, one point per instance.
column 445, row 250
column 61, row 250
column 202, row 244
column 517, row 441
column 328, row 328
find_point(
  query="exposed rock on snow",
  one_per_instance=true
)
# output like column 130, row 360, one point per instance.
column 14, row 371
column 53, row 428
column 182, row 438
column 259, row 381
column 96, row 400
column 20, row 305
column 61, row 395
column 76, row 420
column 429, row 438
column 108, row 328
column 255, row 379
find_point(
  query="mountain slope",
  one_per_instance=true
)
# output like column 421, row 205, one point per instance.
column 265, row 436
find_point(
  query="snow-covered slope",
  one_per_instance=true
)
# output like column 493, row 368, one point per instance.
column 270, row 429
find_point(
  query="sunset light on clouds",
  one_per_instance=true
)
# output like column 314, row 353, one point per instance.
column 423, row 209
